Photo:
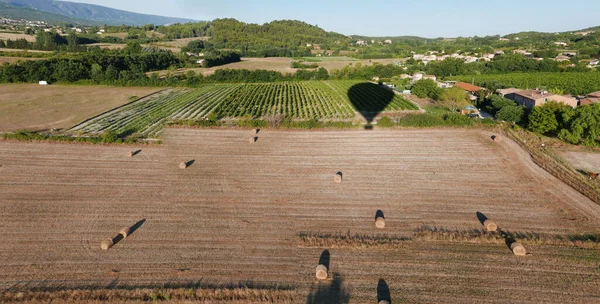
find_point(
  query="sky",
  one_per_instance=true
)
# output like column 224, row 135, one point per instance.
column 425, row 18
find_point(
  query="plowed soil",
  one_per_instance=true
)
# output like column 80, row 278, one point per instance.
column 235, row 214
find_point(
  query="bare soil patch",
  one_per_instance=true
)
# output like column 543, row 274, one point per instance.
column 237, row 213
column 12, row 60
column 35, row 107
column 587, row 161
column 12, row 36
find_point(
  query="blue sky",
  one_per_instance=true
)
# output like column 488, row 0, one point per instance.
column 426, row 18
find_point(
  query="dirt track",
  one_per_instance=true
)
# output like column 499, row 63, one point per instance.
column 235, row 214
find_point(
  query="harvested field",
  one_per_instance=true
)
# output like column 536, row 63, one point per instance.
column 17, row 50
column 183, row 41
column 12, row 60
column 587, row 161
column 12, row 36
column 278, row 64
column 34, row 107
column 237, row 215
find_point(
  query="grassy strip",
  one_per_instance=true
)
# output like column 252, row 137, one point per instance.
column 223, row 295
column 583, row 240
column 348, row 240
column 551, row 163
column 433, row 120
column 255, row 123
column 427, row 233
column 106, row 138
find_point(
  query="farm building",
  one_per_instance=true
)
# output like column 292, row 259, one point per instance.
column 43, row 82
column 536, row 98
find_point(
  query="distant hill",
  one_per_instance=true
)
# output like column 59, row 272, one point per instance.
column 93, row 14
column 18, row 12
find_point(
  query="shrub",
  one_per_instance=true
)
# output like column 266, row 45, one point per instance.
column 385, row 122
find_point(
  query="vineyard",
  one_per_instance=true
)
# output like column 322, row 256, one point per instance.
column 570, row 83
column 330, row 100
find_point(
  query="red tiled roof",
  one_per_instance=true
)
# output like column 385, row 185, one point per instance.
column 468, row 87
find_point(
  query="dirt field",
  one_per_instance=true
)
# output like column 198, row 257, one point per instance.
column 34, row 107
column 236, row 212
column 15, row 59
column 282, row 65
column 16, row 50
column 589, row 162
column 184, row 41
column 11, row 36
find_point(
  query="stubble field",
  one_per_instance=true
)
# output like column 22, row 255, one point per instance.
column 265, row 213
column 35, row 107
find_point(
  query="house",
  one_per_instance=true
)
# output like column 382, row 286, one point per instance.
column 591, row 98
column 472, row 89
column 506, row 92
column 594, row 62
column 561, row 58
column 200, row 62
column 43, row 82
column 504, row 39
column 432, row 77
column 560, row 43
column 537, row 98
column 361, row 42
column 418, row 57
column 190, row 54
column 388, row 41
column 308, row 45
column 416, row 77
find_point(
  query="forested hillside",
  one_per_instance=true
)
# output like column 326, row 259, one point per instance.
column 277, row 36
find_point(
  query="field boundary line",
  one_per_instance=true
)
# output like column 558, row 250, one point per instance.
column 557, row 168
column 119, row 107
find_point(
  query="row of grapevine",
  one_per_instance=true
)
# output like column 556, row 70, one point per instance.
column 144, row 116
column 333, row 100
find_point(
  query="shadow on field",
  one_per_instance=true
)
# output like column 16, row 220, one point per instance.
column 325, row 259
column 383, row 291
column 136, row 152
column 329, row 292
column 481, row 217
column 189, row 163
column 132, row 229
column 369, row 100
column 379, row 214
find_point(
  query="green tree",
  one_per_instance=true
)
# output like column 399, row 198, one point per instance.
column 548, row 118
column 454, row 99
column 582, row 126
column 511, row 113
column 426, row 88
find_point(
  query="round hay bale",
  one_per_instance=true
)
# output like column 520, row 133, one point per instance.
column 384, row 302
column 253, row 140
column 518, row 249
column 125, row 232
column 106, row 244
column 131, row 153
column 490, row 225
column 338, row 177
column 496, row 138
column 183, row 165
column 380, row 223
column 321, row 272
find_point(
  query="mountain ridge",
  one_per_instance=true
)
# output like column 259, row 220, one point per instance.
column 94, row 14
